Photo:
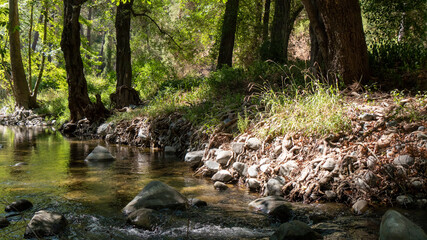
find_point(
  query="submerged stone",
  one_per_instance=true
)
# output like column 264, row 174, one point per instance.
column 295, row 230
column 4, row 222
column 144, row 218
column 274, row 206
column 19, row 206
column 220, row 186
column 45, row 223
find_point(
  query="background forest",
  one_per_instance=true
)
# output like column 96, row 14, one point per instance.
column 175, row 60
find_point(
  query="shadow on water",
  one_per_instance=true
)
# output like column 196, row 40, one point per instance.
column 54, row 176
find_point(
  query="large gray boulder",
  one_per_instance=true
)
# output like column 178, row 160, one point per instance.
column 274, row 206
column 45, row 223
column 157, row 195
column 295, row 230
column 144, row 218
column 100, row 154
column 394, row 226
column 194, row 158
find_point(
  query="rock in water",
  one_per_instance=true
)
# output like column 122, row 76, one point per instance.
column 274, row 206
column 295, row 230
column 360, row 207
column 194, row 158
column 220, row 186
column 144, row 218
column 19, row 206
column 194, row 202
column 222, row 176
column 4, row 222
column 45, row 224
column 157, row 195
column 100, row 154
column 394, row 226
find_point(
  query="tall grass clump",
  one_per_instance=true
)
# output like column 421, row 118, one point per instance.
column 313, row 109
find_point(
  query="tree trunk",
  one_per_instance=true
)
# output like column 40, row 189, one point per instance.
column 20, row 87
column 337, row 26
column 125, row 95
column 88, row 30
column 266, row 20
column 78, row 99
column 42, row 64
column 279, row 44
column 123, row 57
column 229, row 26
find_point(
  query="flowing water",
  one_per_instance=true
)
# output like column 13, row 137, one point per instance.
column 53, row 175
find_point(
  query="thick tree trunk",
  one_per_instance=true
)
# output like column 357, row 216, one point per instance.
column 229, row 27
column 123, row 59
column 125, row 95
column 20, row 87
column 337, row 26
column 78, row 99
column 279, row 31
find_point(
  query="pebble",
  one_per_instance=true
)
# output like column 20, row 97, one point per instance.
column 253, row 171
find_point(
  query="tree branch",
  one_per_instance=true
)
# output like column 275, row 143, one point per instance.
column 157, row 25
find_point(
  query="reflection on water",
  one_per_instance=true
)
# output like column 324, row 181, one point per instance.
column 53, row 175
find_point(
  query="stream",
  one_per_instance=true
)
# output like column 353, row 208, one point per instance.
column 53, row 175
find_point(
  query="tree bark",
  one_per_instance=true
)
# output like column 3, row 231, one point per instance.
column 20, row 87
column 78, row 99
column 266, row 20
column 229, row 27
column 125, row 95
column 42, row 64
column 123, row 57
column 337, row 27
column 278, row 46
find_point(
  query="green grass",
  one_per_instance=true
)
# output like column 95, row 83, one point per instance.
column 296, row 104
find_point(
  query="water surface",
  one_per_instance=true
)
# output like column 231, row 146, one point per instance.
column 53, row 175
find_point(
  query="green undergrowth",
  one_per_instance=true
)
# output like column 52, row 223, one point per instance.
column 267, row 99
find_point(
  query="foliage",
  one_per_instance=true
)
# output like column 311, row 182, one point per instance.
column 399, row 55
column 406, row 18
